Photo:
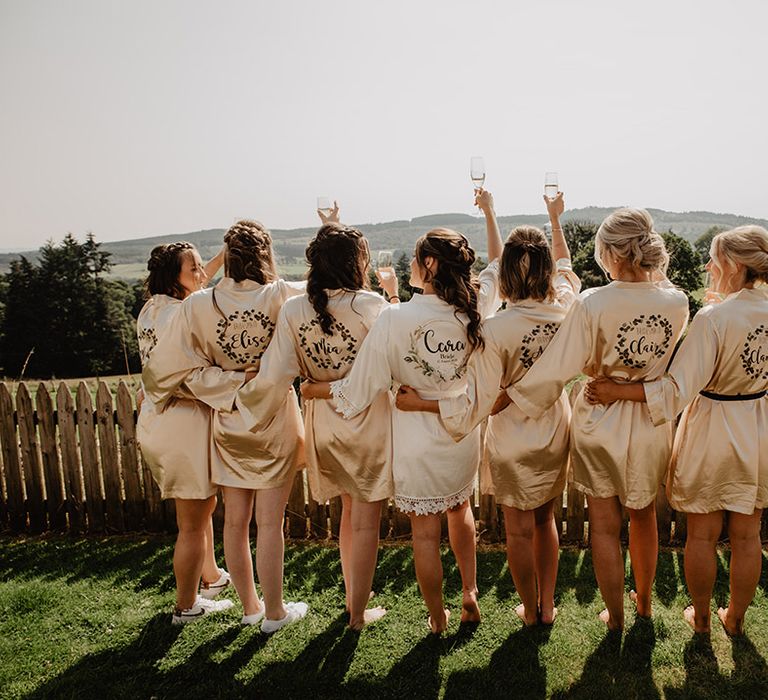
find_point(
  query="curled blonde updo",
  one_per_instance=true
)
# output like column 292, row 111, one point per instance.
column 628, row 234
column 747, row 245
column 249, row 253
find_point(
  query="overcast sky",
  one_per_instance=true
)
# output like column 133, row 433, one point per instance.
column 147, row 117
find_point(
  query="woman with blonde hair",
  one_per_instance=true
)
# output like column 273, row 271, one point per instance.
column 219, row 337
column 527, row 458
column 181, row 469
column 720, row 461
column 426, row 343
column 626, row 330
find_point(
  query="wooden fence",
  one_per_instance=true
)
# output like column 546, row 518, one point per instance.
column 70, row 466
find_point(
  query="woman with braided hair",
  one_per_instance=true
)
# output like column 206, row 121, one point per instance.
column 720, row 460
column 527, row 459
column 220, row 336
column 181, row 468
column 318, row 336
column 426, row 344
column 626, row 330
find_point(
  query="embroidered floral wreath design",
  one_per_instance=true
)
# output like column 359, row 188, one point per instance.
column 652, row 321
column 147, row 342
column 754, row 369
column 325, row 361
column 413, row 357
column 541, row 332
column 243, row 356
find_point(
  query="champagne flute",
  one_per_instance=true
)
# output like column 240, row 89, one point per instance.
column 384, row 265
column 477, row 171
column 551, row 188
column 324, row 205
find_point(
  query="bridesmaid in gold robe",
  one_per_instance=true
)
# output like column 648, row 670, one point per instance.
column 626, row 330
column 317, row 337
column 219, row 337
column 720, row 459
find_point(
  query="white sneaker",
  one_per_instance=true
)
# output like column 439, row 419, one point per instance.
column 201, row 608
column 294, row 611
column 253, row 619
column 211, row 590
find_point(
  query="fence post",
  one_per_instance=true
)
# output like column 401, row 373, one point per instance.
column 17, row 515
column 30, row 460
column 126, row 420
column 334, row 512
column 94, row 501
column 110, row 468
column 297, row 517
column 54, row 482
column 70, row 460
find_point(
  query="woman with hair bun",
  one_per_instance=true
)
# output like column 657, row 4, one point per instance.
column 527, row 458
column 221, row 335
column 317, row 337
column 181, row 468
column 626, row 330
column 720, row 460
column 426, row 343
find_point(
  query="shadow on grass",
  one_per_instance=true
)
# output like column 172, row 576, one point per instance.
column 702, row 675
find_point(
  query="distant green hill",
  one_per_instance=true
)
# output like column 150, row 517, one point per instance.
column 129, row 256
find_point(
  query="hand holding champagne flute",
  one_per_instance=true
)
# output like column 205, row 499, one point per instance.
column 385, row 273
column 551, row 188
column 477, row 173
column 326, row 212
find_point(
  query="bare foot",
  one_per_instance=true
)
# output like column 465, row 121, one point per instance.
column 370, row 615
column 642, row 611
column 689, row 615
column 439, row 628
column 547, row 617
column 731, row 629
column 528, row 620
column 470, row 610
column 605, row 616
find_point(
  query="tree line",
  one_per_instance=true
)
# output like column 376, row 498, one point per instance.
column 61, row 315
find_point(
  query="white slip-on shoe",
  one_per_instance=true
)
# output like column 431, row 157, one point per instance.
column 201, row 608
column 294, row 611
column 253, row 619
column 211, row 590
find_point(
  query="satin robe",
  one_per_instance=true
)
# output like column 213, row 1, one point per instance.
column 626, row 331
column 720, row 456
column 422, row 343
column 343, row 456
column 218, row 334
column 181, row 468
column 526, row 459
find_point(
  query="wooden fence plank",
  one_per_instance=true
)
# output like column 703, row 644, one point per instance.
column 574, row 526
column 318, row 518
column 297, row 517
column 54, row 482
column 110, row 467
column 489, row 519
column 681, row 527
column 30, row 460
column 70, row 460
column 94, row 500
column 17, row 515
column 401, row 524
column 129, row 458
column 663, row 517
column 334, row 514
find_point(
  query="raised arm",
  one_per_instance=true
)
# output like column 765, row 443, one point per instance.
column 214, row 264
column 555, row 209
column 484, row 200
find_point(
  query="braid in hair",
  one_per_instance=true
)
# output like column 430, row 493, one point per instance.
column 164, row 267
column 454, row 281
column 249, row 253
column 527, row 266
column 338, row 259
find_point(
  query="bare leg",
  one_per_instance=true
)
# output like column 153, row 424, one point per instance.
column 365, row 543
column 192, row 517
column 345, row 547
column 701, row 565
column 746, row 562
column 644, row 554
column 461, row 533
column 519, row 525
column 211, row 570
column 546, row 550
column 604, row 532
column 238, row 511
column 270, row 547
column 429, row 569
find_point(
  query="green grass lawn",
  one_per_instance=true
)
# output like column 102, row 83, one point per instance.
column 90, row 618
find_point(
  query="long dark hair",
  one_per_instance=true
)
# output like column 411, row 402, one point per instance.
column 454, row 281
column 164, row 266
column 338, row 259
column 527, row 266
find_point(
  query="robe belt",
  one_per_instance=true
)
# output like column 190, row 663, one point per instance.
column 733, row 397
